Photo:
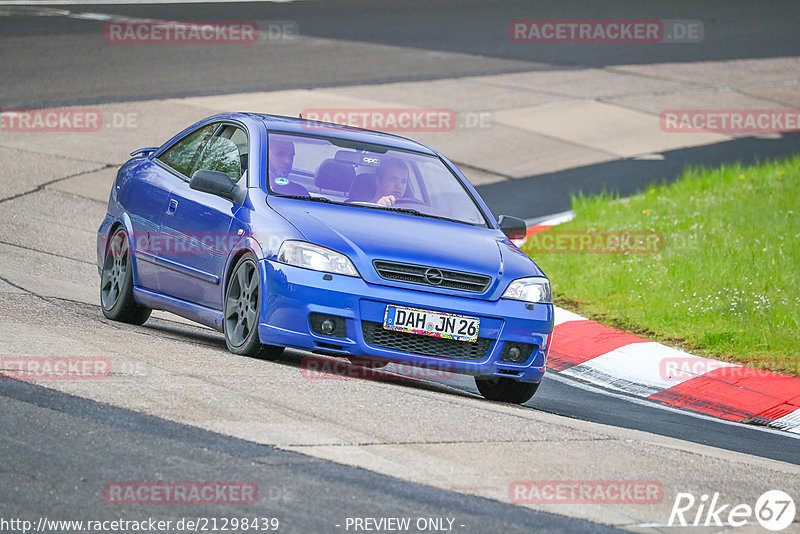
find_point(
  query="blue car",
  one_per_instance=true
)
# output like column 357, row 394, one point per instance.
column 282, row 232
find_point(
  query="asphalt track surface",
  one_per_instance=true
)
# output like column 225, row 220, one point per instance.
column 60, row 451
column 57, row 61
column 56, row 444
column 451, row 38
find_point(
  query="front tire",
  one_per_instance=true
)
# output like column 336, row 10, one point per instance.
column 242, row 310
column 116, row 283
column 500, row 389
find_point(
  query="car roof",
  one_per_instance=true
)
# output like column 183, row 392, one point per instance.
column 325, row 129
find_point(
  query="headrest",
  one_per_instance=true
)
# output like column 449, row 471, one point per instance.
column 334, row 175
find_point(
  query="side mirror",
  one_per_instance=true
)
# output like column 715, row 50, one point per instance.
column 513, row 227
column 214, row 182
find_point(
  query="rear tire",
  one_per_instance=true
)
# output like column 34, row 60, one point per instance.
column 242, row 310
column 116, row 282
column 499, row 389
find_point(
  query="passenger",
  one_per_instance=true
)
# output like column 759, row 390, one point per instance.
column 391, row 182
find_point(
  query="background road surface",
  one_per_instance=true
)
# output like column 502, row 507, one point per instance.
column 178, row 406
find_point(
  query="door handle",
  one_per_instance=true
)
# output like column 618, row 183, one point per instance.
column 173, row 205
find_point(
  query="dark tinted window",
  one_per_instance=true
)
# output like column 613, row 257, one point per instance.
column 181, row 155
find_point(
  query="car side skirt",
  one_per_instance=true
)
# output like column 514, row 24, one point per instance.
column 189, row 310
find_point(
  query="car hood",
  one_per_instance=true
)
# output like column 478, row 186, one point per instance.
column 365, row 234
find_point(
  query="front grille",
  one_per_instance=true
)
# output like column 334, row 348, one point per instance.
column 375, row 334
column 416, row 274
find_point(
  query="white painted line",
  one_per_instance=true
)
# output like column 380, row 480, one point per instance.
column 788, row 423
column 128, row 2
column 574, row 382
column 642, row 368
column 552, row 220
column 564, row 316
column 109, row 17
column 547, row 220
column 650, row 157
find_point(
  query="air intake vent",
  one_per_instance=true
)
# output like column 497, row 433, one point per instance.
column 432, row 276
column 376, row 335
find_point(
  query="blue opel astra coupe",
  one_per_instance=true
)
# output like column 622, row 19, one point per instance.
column 282, row 232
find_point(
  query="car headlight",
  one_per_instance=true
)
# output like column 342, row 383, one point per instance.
column 315, row 257
column 534, row 289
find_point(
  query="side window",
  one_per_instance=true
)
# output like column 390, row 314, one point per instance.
column 182, row 154
column 226, row 152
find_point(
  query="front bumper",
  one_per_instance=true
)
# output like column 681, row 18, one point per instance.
column 291, row 294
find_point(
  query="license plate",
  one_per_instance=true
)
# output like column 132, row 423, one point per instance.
column 431, row 323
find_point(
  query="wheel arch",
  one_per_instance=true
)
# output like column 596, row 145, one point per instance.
column 123, row 221
column 247, row 246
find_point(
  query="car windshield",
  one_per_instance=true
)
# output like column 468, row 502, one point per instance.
column 366, row 175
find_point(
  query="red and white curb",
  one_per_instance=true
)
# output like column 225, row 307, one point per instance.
column 603, row 356
column 616, row 360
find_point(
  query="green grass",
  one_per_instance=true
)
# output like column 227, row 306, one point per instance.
column 724, row 285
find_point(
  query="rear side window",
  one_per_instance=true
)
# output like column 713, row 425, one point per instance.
column 182, row 156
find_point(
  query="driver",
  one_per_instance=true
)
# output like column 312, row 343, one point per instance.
column 391, row 182
column 281, row 158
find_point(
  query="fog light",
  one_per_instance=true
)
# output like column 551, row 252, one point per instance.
column 517, row 353
column 323, row 324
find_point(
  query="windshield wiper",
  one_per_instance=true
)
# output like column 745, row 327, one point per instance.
column 418, row 213
column 411, row 211
column 312, row 199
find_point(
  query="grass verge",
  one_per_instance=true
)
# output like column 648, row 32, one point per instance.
column 721, row 277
